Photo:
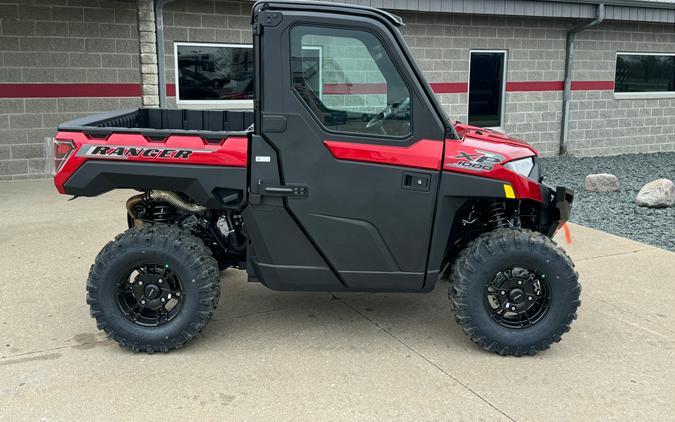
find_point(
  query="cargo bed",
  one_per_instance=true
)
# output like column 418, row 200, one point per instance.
column 200, row 153
column 161, row 122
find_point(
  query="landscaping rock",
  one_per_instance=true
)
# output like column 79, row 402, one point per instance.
column 602, row 182
column 659, row 193
column 617, row 212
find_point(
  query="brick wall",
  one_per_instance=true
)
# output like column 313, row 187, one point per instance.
column 59, row 41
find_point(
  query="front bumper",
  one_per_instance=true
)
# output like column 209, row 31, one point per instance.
column 556, row 209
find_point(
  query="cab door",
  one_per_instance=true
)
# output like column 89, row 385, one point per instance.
column 355, row 145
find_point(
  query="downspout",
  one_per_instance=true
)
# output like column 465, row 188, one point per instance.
column 569, row 58
column 159, row 39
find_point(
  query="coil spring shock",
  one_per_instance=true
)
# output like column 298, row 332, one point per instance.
column 497, row 215
column 160, row 212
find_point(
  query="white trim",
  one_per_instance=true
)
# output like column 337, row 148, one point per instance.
column 319, row 48
column 499, row 128
column 643, row 95
column 640, row 95
column 637, row 53
column 220, row 104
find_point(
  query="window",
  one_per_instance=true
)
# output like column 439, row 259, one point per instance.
column 214, row 74
column 348, row 81
column 486, row 88
column 644, row 73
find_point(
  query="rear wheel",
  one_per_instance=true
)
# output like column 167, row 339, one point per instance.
column 514, row 292
column 153, row 288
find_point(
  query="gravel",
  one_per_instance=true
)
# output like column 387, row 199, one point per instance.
column 616, row 212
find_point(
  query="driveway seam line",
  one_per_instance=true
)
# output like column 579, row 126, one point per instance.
column 629, row 312
column 426, row 359
column 70, row 346
column 614, row 254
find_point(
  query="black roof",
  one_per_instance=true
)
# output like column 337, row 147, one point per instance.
column 329, row 7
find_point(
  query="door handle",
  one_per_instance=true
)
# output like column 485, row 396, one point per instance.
column 288, row 191
column 416, row 181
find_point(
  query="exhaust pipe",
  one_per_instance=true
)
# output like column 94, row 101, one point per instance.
column 170, row 198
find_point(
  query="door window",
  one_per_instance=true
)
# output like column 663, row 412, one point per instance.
column 349, row 82
column 486, row 88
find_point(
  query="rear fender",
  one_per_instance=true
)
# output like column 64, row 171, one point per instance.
column 212, row 173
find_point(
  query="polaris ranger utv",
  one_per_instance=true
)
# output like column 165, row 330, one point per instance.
column 346, row 176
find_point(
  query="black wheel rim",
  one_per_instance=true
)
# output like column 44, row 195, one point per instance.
column 150, row 295
column 517, row 297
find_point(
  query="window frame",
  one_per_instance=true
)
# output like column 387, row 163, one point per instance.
column 640, row 95
column 502, row 108
column 394, row 62
column 318, row 48
column 219, row 104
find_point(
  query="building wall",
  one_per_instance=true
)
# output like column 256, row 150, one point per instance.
column 88, row 42
column 441, row 43
column 599, row 123
column 59, row 41
column 535, row 53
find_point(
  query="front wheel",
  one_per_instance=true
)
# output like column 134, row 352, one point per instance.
column 514, row 292
column 153, row 288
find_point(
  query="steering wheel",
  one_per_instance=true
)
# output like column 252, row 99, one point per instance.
column 387, row 113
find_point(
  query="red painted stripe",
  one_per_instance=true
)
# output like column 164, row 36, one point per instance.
column 534, row 86
column 76, row 90
column 592, row 85
column 356, row 88
column 423, row 154
column 450, row 87
column 559, row 86
column 171, row 90
column 366, row 88
column 40, row 90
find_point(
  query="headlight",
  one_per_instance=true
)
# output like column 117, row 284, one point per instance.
column 523, row 166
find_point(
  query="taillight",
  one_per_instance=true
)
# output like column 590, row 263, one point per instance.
column 62, row 150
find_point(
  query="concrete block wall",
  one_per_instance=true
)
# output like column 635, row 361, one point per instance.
column 602, row 123
column 147, row 38
column 112, row 42
column 442, row 43
column 59, row 41
column 535, row 52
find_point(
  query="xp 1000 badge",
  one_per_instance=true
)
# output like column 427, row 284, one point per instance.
column 475, row 160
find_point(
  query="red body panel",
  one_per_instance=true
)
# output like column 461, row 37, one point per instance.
column 231, row 151
column 423, row 154
column 499, row 149
column 480, row 152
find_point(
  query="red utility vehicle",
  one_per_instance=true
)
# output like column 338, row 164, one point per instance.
column 310, row 192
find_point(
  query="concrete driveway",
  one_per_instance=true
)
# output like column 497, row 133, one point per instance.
column 318, row 356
